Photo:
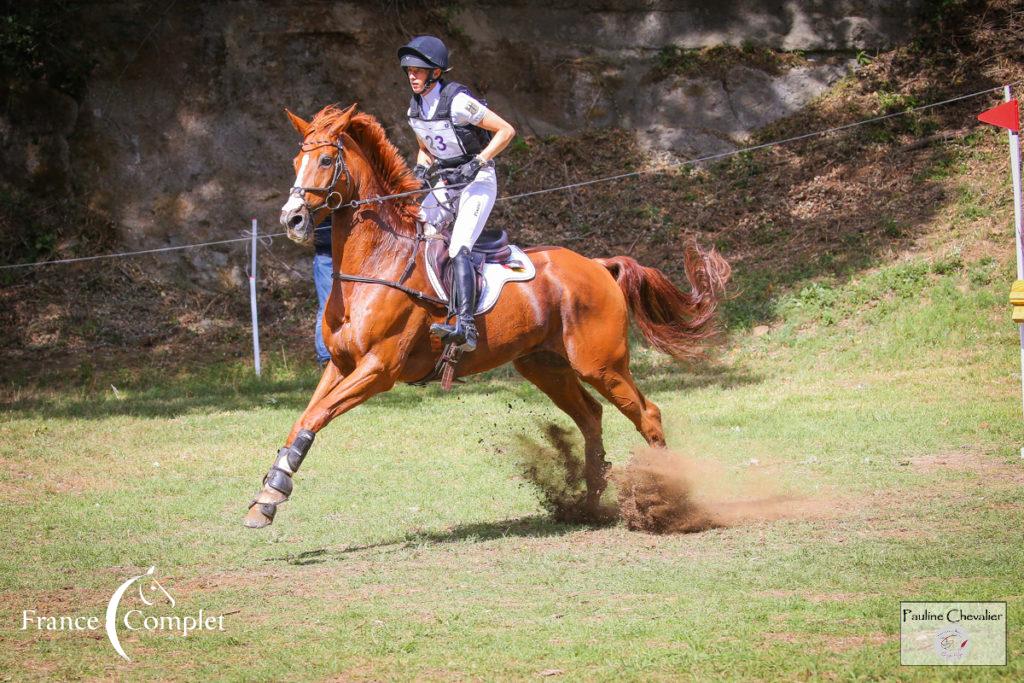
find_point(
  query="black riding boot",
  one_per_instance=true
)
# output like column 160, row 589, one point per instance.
column 463, row 332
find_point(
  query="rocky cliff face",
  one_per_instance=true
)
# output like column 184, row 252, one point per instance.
column 180, row 135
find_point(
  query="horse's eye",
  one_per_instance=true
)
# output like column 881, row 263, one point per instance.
column 326, row 160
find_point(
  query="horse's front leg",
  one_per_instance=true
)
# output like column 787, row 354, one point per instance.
column 334, row 395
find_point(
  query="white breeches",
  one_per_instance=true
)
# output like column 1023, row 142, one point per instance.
column 475, row 203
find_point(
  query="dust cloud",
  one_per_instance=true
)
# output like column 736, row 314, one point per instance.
column 556, row 470
column 663, row 492
column 658, row 491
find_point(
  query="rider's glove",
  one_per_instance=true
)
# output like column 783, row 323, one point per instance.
column 468, row 170
column 420, row 173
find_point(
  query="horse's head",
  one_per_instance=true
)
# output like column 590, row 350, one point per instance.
column 322, row 178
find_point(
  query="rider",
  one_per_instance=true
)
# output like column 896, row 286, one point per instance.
column 459, row 136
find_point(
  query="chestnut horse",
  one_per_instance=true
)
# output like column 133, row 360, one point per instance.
column 567, row 324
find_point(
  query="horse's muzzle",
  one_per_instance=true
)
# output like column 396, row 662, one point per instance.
column 297, row 224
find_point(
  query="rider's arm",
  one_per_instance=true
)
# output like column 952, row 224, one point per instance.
column 503, row 134
column 466, row 109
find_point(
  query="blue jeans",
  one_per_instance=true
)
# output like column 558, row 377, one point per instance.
column 322, row 270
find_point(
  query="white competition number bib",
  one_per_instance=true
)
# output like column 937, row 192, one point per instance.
column 439, row 138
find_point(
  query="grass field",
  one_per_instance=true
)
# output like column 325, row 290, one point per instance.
column 890, row 400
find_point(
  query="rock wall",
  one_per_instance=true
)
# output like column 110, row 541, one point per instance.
column 180, row 135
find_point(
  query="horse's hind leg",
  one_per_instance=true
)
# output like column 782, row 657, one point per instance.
column 610, row 375
column 556, row 378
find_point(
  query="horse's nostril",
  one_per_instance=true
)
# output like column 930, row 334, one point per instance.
column 295, row 221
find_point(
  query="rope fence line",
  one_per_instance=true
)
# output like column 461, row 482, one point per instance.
column 764, row 145
column 559, row 188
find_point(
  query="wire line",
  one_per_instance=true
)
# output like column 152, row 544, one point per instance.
column 559, row 188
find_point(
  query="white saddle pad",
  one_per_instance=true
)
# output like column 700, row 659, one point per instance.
column 519, row 268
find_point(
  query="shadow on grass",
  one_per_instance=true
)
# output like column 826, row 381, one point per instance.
column 166, row 401
column 194, row 395
column 650, row 377
column 532, row 526
column 229, row 389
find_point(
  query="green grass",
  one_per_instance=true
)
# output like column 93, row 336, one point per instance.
column 411, row 550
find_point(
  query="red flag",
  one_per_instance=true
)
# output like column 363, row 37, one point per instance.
column 1006, row 115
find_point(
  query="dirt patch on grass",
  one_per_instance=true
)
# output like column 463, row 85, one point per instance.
column 831, row 643
column 26, row 481
column 962, row 461
column 918, row 512
column 27, row 488
column 913, row 587
column 815, row 597
column 64, row 601
column 844, row 643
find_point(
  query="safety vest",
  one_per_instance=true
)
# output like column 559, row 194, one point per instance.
column 450, row 144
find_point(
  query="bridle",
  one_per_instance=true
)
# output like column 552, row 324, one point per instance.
column 330, row 190
column 329, row 202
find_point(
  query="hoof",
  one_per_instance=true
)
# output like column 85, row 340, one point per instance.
column 263, row 510
column 255, row 519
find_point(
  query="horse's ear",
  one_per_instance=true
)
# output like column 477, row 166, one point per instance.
column 344, row 119
column 300, row 125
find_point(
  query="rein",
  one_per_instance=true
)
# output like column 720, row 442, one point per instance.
column 414, row 293
column 380, row 198
column 339, row 167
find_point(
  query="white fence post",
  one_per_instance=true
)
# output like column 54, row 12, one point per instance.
column 252, row 303
column 1017, row 224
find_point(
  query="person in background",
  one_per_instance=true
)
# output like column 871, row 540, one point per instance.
column 323, row 270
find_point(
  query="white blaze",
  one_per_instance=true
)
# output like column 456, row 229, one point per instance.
column 295, row 200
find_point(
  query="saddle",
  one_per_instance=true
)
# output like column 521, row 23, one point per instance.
column 497, row 262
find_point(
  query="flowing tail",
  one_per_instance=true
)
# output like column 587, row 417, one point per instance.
column 673, row 321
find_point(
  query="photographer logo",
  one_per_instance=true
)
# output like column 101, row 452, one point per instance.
column 953, row 633
column 154, row 610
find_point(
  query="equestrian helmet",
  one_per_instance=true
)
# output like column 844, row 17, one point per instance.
column 426, row 52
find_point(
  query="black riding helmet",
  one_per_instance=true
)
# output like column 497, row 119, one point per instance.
column 426, row 52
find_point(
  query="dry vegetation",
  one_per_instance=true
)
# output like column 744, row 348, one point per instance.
column 829, row 206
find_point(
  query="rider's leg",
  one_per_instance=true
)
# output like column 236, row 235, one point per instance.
column 475, row 203
column 463, row 332
column 432, row 210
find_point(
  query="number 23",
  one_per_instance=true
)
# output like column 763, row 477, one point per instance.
column 436, row 142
